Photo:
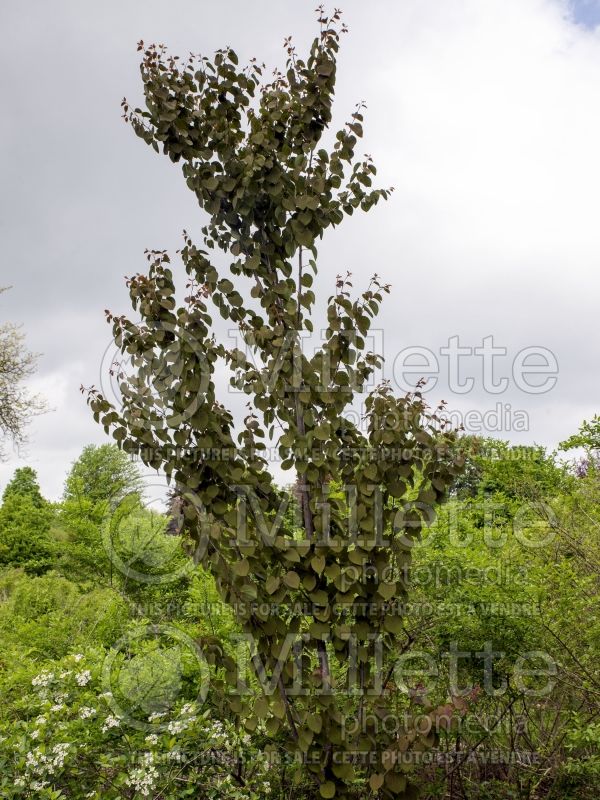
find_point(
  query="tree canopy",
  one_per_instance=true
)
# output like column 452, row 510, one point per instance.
column 102, row 474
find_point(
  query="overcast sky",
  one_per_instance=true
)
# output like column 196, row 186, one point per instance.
column 483, row 114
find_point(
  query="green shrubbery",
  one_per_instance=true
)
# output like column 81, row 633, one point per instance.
column 101, row 685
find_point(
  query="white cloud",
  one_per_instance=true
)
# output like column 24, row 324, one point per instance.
column 485, row 117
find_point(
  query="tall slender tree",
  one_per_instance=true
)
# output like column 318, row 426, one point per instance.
column 321, row 609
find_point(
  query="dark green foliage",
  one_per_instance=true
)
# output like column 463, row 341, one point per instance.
column 25, row 520
column 24, row 483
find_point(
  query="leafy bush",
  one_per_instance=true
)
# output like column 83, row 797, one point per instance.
column 24, row 534
column 47, row 616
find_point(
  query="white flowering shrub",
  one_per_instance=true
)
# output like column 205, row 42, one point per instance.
column 61, row 738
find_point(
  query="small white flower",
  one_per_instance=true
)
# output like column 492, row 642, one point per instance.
column 144, row 778
column 83, row 678
column 177, row 726
column 77, row 656
column 110, row 722
column 35, row 734
column 43, row 679
column 85, row 712
column 65, row 674
column 152, row 739
column 57, row 707
column 60, row 751
column 41, row 720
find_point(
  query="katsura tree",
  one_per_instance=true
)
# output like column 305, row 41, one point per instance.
column 319, row 603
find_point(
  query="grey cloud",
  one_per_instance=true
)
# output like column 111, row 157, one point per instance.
column 483, row 116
